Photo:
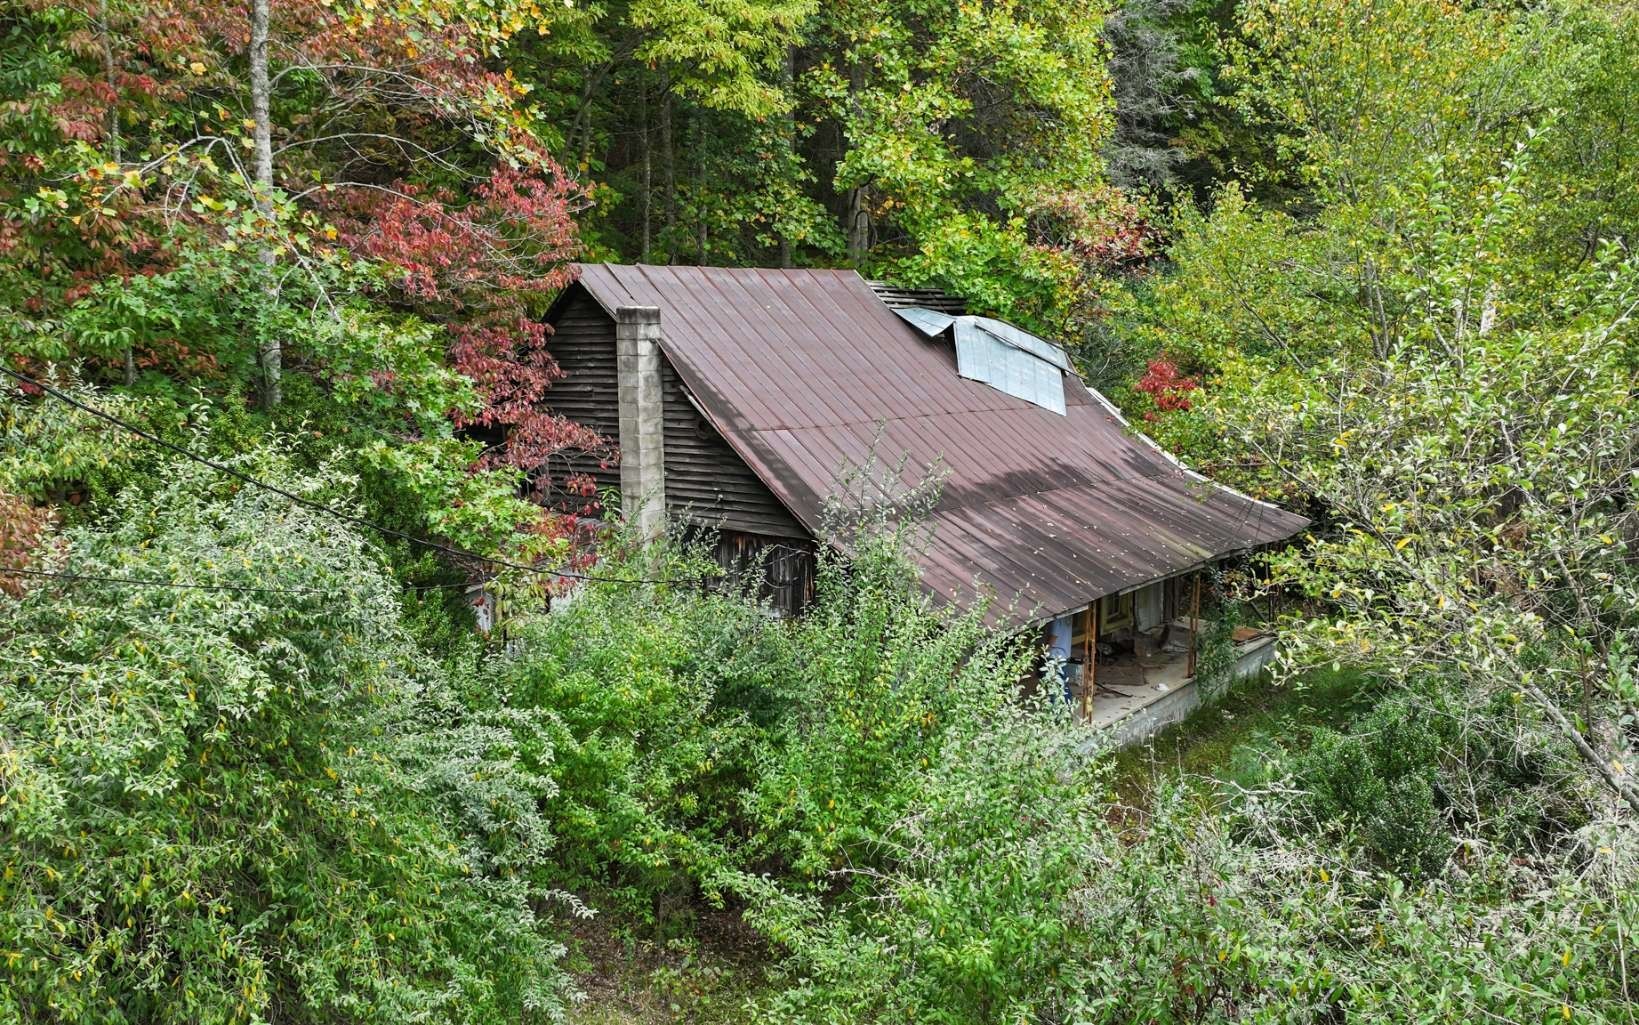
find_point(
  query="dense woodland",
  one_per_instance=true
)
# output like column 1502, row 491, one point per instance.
column 273, row 276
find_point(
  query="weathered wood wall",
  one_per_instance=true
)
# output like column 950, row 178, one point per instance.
column 788, row 566
column 583, row 343
column 706, row 482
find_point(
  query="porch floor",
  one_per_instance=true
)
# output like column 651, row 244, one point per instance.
column 1136, row 696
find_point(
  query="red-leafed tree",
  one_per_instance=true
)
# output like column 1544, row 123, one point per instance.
column 23, row 531
column 320, row 154
column 1167, row 386
column 485, row 268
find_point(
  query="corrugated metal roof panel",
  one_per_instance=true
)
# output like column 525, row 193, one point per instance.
column 982, row 356
column 930, row 322
column 996, row 353
column 1017, row 338
column 807, row 375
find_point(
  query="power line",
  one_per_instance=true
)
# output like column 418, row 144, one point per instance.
column 187, row 585
column 317, row 506
column 183, row 585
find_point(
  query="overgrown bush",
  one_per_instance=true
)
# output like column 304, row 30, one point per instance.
column 1011, row 893
column 1423, row 773
column 1216, row 657
column 652, row 696
column 55, row 454
column 968, row 908
column 879, row 679
column 253, row 802
column 1380, row 778
column 695, row 736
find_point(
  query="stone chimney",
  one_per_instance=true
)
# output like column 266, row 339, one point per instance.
column 642, row 425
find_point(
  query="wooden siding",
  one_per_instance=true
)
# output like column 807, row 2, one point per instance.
column 583, row 343
column 706, row 482
column 785, row 567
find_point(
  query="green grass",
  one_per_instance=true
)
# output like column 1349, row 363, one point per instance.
column 1235, row 737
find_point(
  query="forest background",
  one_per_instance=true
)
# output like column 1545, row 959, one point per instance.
column 1370, row 260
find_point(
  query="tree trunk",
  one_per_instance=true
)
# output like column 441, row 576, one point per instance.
column 648, row 165
column 268, row 351
column 857, row 226
column 668, row 165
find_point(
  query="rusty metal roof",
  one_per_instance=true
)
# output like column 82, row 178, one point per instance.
column 808, row 374
column 928, row 298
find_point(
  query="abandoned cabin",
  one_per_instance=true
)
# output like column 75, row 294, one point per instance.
column 739, row 399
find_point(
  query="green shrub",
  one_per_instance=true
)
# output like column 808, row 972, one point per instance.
column 1421, row 770
column 237, row 806
column 878, row 680
column 1379, row 778
column 649, row 694
column 1216, row 658
column 694, row 736
column 969, row 911
column 1014, row 894
column 53, row 453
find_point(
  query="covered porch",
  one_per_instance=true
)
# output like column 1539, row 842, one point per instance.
column 1135, row 698
column 1132, row 659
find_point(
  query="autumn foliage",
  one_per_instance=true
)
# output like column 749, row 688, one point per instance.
column 485, row 269
column 400, row 153
column 23, row 530
column 1167, row 386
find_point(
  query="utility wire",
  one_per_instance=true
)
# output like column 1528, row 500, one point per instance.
column 187, row 585
column 317, row 506
column 92, row 578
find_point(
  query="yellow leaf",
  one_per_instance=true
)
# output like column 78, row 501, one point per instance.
column 197, row 68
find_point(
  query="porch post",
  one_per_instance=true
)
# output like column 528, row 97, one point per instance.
column 1194, row 624
column 1089, row 663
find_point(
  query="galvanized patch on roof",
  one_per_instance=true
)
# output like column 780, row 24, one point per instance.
column 996, row 353
column 930, row 322
column 981, row 356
